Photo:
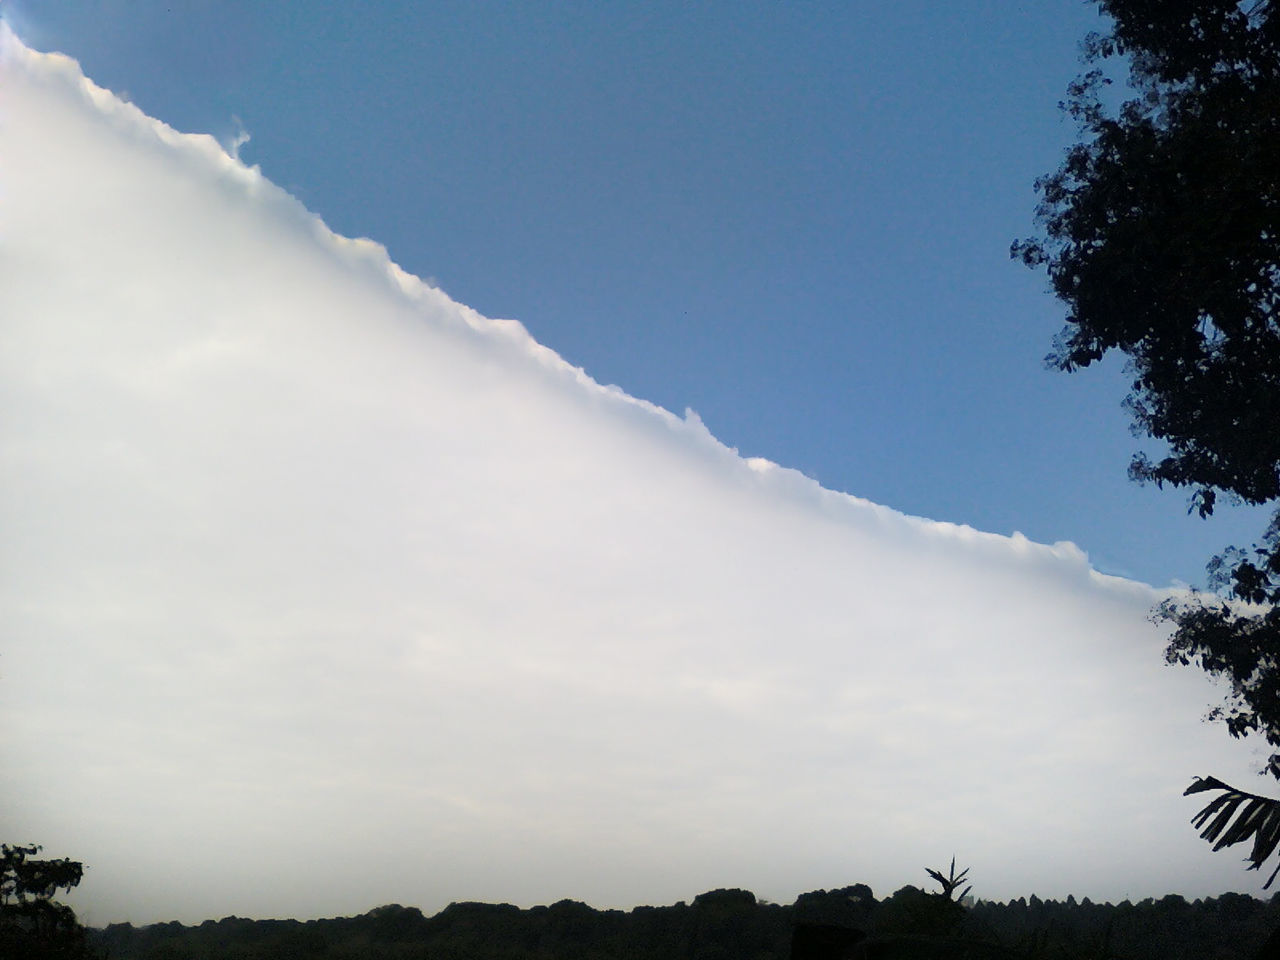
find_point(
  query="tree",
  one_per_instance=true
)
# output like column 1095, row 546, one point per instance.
column 1162, row 237
column 32, row 924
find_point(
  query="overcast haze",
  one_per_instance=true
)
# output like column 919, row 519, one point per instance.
column 321, row 590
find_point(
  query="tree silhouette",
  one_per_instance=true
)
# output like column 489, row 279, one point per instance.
column 1162, row 237
column 33, row 925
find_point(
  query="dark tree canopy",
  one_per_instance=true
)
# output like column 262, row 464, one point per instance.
column 733, row 925
column 1161, row 234
column 32, row 924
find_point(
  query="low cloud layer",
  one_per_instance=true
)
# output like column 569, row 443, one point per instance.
column 319, row 590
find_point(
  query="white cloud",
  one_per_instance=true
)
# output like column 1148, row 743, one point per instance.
column 319, row 590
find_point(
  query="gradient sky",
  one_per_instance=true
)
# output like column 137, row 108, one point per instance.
column 792, row 217
column 304, row 554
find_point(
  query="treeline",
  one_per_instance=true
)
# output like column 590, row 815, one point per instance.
column 731, row 925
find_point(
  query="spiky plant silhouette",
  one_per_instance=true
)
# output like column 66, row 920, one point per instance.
column 1256, row 818
column 951, row 880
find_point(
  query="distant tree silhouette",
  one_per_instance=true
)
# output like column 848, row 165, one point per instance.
column 34, row 926
column 824, row 941
column 728, row 925
column 912, row 911
column 1162, row 237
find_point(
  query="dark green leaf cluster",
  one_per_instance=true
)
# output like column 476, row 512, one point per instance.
column 1162, row 237
column 33, row 925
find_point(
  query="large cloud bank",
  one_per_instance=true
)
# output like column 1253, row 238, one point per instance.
column 318, row 590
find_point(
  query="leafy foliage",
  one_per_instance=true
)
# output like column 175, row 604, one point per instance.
column 32, row 924
column 1256, row 818
column 1162, row 237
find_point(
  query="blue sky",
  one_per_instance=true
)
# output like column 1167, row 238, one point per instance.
column 793, row 218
